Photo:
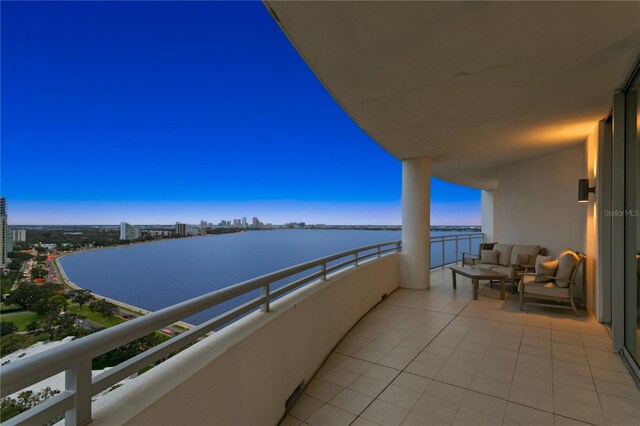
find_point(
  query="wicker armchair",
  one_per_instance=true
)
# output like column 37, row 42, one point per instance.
column 558, row 288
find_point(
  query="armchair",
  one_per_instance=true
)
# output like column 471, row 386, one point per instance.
column 558, row 288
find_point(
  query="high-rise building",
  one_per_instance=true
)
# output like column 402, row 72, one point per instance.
column 181, row 229
column 244, row 222
column 19, row 235
column 256, row 223
column 123, row 230
column 129, row 233
column 4, row 233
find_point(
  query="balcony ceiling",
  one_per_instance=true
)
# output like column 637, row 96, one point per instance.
column 472, row 85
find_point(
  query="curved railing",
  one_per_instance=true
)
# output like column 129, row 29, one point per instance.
column 75, row 358
column 448, row 249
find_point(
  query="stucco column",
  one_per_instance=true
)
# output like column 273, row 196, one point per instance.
column 415, row 260
column 489, row 214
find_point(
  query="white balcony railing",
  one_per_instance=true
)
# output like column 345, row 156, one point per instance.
column 448, row 249
column 75, row 358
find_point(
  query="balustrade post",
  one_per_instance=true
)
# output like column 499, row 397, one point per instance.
column 378, row 251
column 355, row 256
column 78, row 381
column 443, row 260
column 265, row 292
column 456, row 249
column 323, row 269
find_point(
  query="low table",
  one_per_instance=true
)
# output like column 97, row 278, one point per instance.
column 476, row 274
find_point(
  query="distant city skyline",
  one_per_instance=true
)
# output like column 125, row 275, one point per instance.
column 164, row 121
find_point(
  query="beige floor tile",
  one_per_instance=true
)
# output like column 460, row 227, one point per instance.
column 499, row 353
column 535, row 351
column 385, row 413
column 612, row 376
column 361, row 421
column 399, row 396
column 429, row 370
column 469, row 417
column 484, row 403
column 446, row 392
column 351, row 401
column 436, row 410
column 322, row 390
column 355, row 365
column 416, row 419
column 613, row 404
column 589, row 413
column 368, row 355
column 340, row 376
column 381, row 372
column 570, row 357
column 566, row 421
column 497, row 374
column 290, row 421
column 569, row 367
column 305, row 406
column 436, row 349
column 412, row 381
column 544, row 372
column 617, row 389
column 331, row 416
column 526, row 416
column 577, row 380
column 490, row 387
column 368, row 385
column 394, row 361
column 380, row 346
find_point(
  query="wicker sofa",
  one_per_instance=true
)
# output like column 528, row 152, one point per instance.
column 509, row 259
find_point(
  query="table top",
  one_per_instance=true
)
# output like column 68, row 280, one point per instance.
column 476, row 272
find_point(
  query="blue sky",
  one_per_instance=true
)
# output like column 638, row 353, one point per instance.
column 162, row 112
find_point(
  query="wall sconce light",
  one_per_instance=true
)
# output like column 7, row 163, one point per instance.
column 584, row 189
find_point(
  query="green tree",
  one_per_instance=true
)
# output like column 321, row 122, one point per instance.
column 11, row 407
column 32, row 327
column 7, row 328
column 106, row 309
column 80, row 297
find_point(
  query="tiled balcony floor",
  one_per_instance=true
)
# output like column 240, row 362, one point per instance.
column 438, row 357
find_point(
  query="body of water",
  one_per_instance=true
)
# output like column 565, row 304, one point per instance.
column 156, row 275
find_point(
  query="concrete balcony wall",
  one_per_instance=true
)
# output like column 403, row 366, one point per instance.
column 243, row 374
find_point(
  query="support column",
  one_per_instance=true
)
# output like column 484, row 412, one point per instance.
column 489, row 215
column 416, row 247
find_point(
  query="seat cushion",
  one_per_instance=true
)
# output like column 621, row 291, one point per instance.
column 567, row 260
column 504, row 253
column 530, row 251
column 546, row 289
column 489, row 257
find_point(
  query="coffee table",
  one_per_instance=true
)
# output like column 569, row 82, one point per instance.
column 476, row 274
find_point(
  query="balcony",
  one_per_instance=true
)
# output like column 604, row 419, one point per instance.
column 438, row 357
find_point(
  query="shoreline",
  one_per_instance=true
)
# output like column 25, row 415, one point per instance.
column 62, row 275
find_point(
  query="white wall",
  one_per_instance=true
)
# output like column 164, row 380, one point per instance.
column 243, row 374
column 538, row 201
column 538, row 205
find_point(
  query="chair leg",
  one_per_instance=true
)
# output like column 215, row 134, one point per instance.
column 573, row 306
column 522, row 299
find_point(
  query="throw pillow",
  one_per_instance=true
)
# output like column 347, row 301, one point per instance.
column 539, row 260
column 545, row 270
column 489, row 256
column 567, row 261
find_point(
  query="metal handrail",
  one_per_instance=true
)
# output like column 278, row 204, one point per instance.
column 74, row 358
column 442, row 239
